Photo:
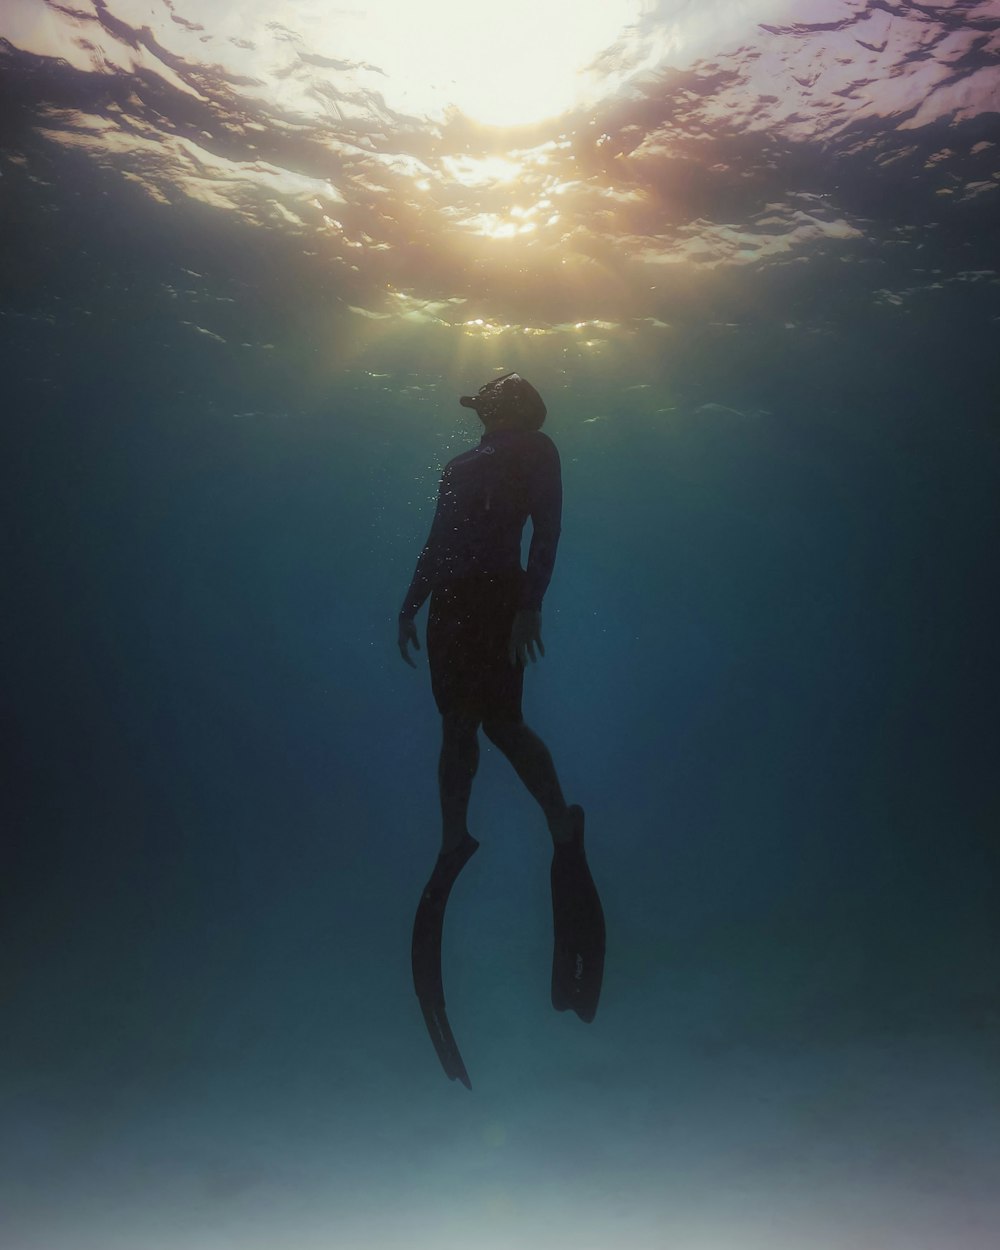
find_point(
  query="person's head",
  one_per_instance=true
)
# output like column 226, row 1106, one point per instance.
column 507, row 403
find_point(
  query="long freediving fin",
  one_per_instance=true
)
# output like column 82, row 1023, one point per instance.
column 425, row 953
column 578, row 928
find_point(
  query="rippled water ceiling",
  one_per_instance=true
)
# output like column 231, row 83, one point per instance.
column 498, row 167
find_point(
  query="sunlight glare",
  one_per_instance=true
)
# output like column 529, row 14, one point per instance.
column 503, row 64
column 487, row 171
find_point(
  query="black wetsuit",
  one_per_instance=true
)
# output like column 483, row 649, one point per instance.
column 471, row 564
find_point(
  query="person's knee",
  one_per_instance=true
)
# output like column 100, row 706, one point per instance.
column 457, row 727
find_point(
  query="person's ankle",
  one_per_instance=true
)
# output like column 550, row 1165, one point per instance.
column 452, row 839
column 561, row 827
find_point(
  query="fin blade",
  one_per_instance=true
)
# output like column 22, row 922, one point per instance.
column 579, row 933
column 436, row 1019
column 425, row 957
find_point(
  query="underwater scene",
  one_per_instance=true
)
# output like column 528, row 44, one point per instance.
column 742, row 257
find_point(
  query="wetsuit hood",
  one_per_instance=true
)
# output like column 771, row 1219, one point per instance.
column 510, row 398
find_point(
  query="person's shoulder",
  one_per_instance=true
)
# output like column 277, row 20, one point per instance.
column 468, row 454
column 543, row 450
column 540, row 443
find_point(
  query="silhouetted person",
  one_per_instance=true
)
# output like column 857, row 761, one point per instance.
column 484, row 626
column 485, row 614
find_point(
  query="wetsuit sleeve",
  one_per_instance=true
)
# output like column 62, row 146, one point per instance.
column 545, row 509
column 427, row 563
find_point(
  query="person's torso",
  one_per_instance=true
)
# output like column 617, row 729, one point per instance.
column 484, row 503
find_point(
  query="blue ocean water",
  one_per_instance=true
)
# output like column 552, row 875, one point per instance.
column 247, row 266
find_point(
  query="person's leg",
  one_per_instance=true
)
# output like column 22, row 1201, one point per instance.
column 456, row 769
column 533, row 764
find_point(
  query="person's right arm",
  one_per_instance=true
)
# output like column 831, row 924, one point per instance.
column 545, row 509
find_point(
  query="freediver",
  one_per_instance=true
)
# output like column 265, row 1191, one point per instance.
column 484, row 627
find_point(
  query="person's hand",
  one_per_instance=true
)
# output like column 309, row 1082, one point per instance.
column 525, row 636
column 407, row 634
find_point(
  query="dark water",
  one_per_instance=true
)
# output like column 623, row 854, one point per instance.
column 760, row 295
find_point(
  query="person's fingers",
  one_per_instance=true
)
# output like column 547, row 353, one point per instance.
column 408, row 634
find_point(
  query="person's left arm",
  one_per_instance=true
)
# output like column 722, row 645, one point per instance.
column 428, row 567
